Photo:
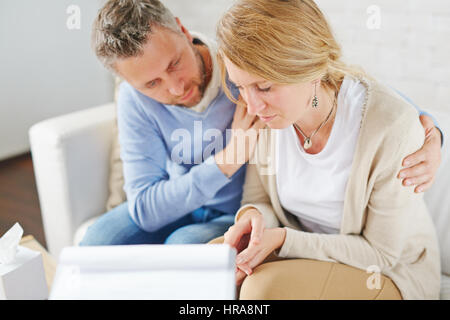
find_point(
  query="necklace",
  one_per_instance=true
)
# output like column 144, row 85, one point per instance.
column 308, row 142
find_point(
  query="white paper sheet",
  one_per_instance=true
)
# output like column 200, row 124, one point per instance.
column 173, row 272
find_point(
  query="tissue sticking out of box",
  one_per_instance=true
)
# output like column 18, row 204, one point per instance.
column 9, row 243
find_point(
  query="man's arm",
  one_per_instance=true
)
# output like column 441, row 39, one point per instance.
column 154, row 199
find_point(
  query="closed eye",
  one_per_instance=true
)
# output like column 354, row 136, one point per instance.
column 176, row 63
column 265, row 89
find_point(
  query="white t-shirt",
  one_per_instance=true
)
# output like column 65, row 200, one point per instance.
column 312, row 187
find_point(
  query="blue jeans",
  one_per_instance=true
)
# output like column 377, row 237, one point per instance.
column 117, row 228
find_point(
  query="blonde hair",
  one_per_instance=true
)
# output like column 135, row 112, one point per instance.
column 283, row 41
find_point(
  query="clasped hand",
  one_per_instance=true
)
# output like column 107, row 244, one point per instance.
column 253, row 242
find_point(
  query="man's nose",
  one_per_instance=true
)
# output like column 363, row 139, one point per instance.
column 254, row 103
column 176, row 87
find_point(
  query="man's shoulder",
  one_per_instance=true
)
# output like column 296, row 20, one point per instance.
column 134, row 108
column 127, row 93
column 124, row 88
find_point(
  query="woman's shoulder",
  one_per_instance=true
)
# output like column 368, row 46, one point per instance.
column 387, row 110
column 389, row 120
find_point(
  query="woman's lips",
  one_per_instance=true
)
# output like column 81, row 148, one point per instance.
column 267, row 119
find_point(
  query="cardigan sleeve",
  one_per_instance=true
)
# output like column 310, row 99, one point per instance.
column 255, row 196
column 388, row 213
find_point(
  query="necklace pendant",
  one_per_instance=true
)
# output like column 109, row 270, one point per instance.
column 307, row 144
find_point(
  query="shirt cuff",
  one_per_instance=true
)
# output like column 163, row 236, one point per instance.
column 209, row 178
column 270, row 220
column 286, row 247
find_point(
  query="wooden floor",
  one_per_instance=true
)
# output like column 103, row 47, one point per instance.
column 18, row 197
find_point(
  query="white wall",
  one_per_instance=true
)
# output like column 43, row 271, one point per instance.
column 45, row 68
column 199, row 15
column 410, row 51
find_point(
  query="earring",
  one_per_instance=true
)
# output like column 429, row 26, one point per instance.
column 315, row 101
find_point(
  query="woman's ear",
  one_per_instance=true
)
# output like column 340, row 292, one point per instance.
column 316, row 83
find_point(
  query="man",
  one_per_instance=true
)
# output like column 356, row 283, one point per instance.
column 172, row 118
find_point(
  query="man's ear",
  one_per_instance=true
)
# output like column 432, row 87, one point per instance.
column 184, row 30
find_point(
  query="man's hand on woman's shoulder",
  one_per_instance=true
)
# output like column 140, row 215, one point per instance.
column 420, row 167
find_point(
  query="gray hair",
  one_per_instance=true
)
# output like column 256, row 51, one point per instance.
column 122, row 28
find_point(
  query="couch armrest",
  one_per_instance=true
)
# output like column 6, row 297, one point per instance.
column 71, row 163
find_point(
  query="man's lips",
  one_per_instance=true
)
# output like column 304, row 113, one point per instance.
column 188, row 95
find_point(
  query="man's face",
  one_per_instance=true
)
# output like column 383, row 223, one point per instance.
column 170, row 71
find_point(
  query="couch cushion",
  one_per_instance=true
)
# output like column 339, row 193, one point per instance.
column 116, row 181
column 437, row 198
column 81, row 231
column 445, row 287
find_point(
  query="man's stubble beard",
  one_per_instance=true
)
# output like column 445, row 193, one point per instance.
column 202, row 84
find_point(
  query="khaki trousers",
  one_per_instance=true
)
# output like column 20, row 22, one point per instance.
column 302, row 279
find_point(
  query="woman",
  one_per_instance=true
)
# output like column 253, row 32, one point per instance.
column 323, row 208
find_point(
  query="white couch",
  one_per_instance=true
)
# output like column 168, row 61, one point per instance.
column 71, row 161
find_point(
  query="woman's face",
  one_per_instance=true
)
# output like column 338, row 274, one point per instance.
column 277, row 105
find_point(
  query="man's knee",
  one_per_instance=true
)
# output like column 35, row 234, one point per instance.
column 195, row 234
column 97, row 236
column 112, row 228
column 190, row 234
column 182, row 237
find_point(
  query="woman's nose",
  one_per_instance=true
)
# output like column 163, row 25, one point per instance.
column 254, row 103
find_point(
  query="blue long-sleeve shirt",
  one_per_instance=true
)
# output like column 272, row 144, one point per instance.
column 168, row 158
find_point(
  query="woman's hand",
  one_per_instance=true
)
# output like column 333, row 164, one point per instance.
column 421, row 166
column 255, row 254
column 247, row 230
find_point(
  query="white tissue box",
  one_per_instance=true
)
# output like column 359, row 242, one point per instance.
column 23, row 279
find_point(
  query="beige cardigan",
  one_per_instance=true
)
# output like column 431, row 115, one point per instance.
column 384, row 224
